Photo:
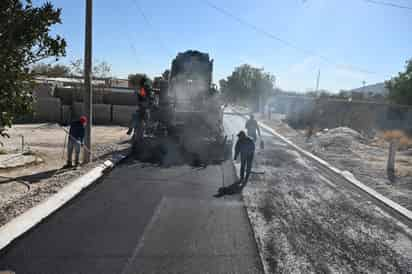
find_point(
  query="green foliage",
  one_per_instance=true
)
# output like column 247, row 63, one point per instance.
column 400, row 87
column 139, row 79
column 247, row 84
column 24, row 40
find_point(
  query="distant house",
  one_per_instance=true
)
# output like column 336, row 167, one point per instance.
column 66, row 81
column 119, row 83
column 71, row 83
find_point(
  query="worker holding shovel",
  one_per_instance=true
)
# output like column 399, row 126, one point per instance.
column 76, row 136
column 246, row 148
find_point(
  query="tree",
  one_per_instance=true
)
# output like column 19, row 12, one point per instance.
column 101, row 69
column 57, row 70
column 400, row 87
column 247, row 84
column 77, row 67
column 139, row 79
column 165, row 74
column 25, row 40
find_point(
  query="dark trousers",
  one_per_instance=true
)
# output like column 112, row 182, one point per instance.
column 246, row 160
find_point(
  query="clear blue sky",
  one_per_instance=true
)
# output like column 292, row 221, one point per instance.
column 351, row 32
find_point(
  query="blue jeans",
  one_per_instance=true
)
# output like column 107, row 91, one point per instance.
column 73, row 144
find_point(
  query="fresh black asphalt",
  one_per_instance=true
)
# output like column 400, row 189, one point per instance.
column 143, row 219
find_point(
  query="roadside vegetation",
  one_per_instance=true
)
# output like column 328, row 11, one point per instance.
column 25, row 39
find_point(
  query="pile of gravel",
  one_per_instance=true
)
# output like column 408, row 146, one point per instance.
column 341, row 139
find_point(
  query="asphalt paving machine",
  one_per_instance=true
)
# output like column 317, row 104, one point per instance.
column 188, row 109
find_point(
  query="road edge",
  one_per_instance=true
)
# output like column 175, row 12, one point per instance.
column 236, row 169
column 21, row 224
column 402, row 211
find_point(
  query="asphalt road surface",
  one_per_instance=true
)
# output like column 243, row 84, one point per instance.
column 145, row 219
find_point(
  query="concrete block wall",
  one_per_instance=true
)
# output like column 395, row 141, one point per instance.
column 47, row 110
column 77, row 110
column 119, row 98
column 122, row 115
column 66, row 114
column 70, row 94
column 65, row 94
column 43, row 91
column 102, row 114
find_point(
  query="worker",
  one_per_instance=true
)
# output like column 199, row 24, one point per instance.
column 252, row 127
column 246, row 147
column 137, row 125
column 76, row 137
column 133, row 122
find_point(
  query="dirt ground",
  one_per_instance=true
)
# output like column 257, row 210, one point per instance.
column 23, row 187
column 364, row 158
column 306, row 223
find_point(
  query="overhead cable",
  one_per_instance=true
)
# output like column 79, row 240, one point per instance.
column 283, row 41
column 150, row 25
column 389, row 4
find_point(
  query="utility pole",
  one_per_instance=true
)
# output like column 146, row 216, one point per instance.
column 87, row 96
column 317, row 81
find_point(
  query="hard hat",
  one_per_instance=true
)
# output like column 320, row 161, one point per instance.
column 241, row 134
column 83, row 119
column 142, row 92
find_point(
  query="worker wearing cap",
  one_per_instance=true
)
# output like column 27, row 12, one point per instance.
column 76, row 137
column 245, row 146
column 252, row 127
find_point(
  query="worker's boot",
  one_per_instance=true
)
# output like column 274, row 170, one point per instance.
column 68, row 165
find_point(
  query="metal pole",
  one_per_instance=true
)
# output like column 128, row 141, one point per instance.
column 317, row 81
column 87, row 96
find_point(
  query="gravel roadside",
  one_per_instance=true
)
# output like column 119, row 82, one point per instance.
column 24, row 188
column 364, row 158
column 306, row 224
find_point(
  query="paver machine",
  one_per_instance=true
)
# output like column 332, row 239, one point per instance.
column 191, row 109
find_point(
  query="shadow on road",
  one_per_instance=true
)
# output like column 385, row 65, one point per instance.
column 233, row 189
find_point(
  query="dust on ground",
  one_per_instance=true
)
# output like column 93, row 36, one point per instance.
column 305, row 223
column 364, row 157
column 22, row 188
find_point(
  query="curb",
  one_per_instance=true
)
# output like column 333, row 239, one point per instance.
column 347, row 176
column 404, row 212
column 236, row 168
column 29, row 219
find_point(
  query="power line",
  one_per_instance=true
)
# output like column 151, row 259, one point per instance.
column 283, row 41
column 150, row 25
column 389, row 4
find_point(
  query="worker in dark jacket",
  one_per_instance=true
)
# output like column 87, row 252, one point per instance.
column 76, row 138
column 252, row 127
column 246, row 148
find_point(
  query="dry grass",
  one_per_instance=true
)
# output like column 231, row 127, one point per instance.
column 404, row 140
